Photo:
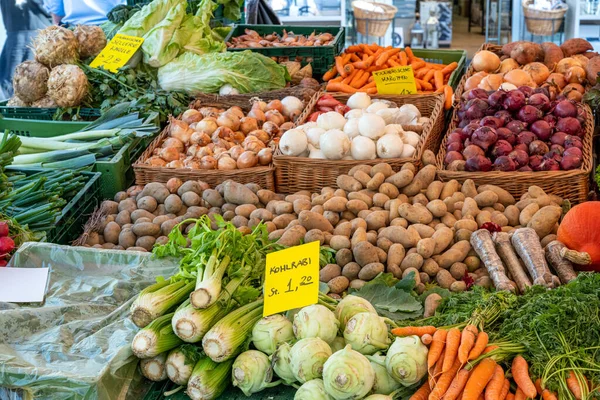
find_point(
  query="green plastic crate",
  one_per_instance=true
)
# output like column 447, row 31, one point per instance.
column 40, row 128
column 446, row 57
column 45, row 114
column 323, row 57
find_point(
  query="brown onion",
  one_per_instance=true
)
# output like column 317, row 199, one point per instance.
column 474, row 81
column 200, row 138
column 275, row 105
column 180, row 130
column 175, row 164
column 156, row 151
column 191, row 163
column 222, row 133
column 169, row 154
column 229, row 120
column 219, row 150
column 574, row 86
column 247, row 159
column 557, row 79
column 285, row 127
column 259, row 115
column 265, row 156
column 275, row 116
column 204, row 151
column 248, row 124
column 190, row 116
column 259, row 105
column 210, row 111
column 226, row 164
column 237, row 111
column 173, row 142
column 238, row 137
column 271, row 128
column 156, row 161
column 191, row 151
column 261, row 135
column 208, row 162
column 208, row 125
column 574, row 95
column 575, row 75
column 236, row 151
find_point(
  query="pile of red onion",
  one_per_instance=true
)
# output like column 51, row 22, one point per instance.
column 519, row 130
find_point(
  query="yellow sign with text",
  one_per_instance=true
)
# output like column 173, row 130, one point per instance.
column 397, row 80
column 117, row 52
column 292, row 278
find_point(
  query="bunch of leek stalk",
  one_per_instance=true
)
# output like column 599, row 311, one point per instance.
column 8, row 148
column 195, row 323
column 98, row 141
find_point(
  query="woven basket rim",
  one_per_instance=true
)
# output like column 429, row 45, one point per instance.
column 527, row 9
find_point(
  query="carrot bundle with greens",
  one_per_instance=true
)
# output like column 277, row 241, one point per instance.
column 353, row 70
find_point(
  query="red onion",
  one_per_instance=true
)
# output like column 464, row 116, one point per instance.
column 478, row 163
column 537, row 147
column 454, row 137
column 558, row 138
column 504, row 116
column 550, row 119
column 452, row 156
column 496, row 99
column 569, row 125
column 469, row 129
column 529, row 114
column 463, row 134
column 520, row 157
column 542, row 90
column 557, row 149
column 463, row 121
column 570, row 161
column 501, row 148
column 472, row 151
column 572, row 141
column 525, row 168
column 477, row 93
column 455, row 146
column 516, row 126
column 541, row 129
column 549, row 164
column 525, row 137
column 573, row 151
column 506, row 134
column 539, row 101
column 492, row 122
column 565, row 108
column 535, row 162
column 484, row 137
column 504, row 163
column 474, row 112
column 526, row 90
column 522, row 147
column 515, row 100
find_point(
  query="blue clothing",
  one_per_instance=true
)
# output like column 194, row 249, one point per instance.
column 82, row 12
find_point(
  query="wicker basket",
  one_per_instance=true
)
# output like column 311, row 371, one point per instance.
column 572, row 185
column 542, row 22
column 262, row 176
column 372, row 18
column 300, row 173
column 494, row 48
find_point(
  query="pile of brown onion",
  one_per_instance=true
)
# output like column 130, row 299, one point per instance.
column 226, row 139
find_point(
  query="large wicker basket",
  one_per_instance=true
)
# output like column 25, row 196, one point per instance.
column 572, row 185
column 262, row 176
column 301, row 173
column 372, row 18
column 542, row 22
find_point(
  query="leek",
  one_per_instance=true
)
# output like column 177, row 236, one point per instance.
column 209, row 379
column 208, row 284
column 224, row 340
column 155, row 338
column 154, row 368
column 158, row 299
column 56, row 155
column 180, row 363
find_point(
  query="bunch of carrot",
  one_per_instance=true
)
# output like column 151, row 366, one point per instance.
column 352, row 71
column 450, row 361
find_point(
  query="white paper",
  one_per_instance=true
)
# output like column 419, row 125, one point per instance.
column 23, row 285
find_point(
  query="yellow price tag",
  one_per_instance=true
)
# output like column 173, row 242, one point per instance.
column 292, row 278
column 117, row 52
column 397, row 80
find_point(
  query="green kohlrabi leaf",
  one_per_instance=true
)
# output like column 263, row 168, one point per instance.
column 391, row 302
column 157, row 47
column 150, row 15
column 245, row 71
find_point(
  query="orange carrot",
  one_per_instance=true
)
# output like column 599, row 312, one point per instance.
column 519, row 395
column 548, row 395
column 467, row 340
column 437, row 346
column 442, row 385
column 510, row 396
column 422, row 393
column 520, row 372
column 437, row 370
column 354, row 49
column 414, row 330
column 394, row 63
column 416, row 64
column 362, row 81
column 426, row 339
column 573, row 385
column 366, row 49
column 457, row 385
column 452, row 343
column 449, row 68
column 409, row 53
column 382, row 59
column 538, row 386
column 438, row 78
column 505, row 389
column 417, row 84
column 489, row 349
column 339, row 65
column 351, row 76
column 494, row 386
column 482, row 337
column 479, row 379
column 424, row 85
column 370, row 84
column 346, row 58
column 428, row 74
column 330, row 74
column 339, row 87
column 354, row 57
column 403, row 58
column 435, row 66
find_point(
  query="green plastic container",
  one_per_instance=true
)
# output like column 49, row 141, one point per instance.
column 39, row 127
column 320, row 57
column 446, row 57
column 45, row 114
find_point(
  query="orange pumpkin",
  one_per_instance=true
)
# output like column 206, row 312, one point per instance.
column 580, row 232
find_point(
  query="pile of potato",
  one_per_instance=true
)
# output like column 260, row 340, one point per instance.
column 378, row 220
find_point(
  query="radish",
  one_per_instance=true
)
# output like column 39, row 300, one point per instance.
column 3, row 229
column 3, row 263
column 6, row 245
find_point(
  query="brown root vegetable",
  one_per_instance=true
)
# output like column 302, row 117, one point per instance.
column 510, row 259
column 544, row 220
column 508, row 48
column 592, row 69
column 483, row 245
column 527, row 52
column 563, row 267
column 458, row 252
column 431, row 304
column 552, row 54
column 329, row 272
column 575, row 46
column 576, row 75
column 527, row 245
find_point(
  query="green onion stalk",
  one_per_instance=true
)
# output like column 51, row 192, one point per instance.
column 154, row 368
column 225, row 339
column 181, row 361
column 155, row 338
column 209, row 379
column 158, row 299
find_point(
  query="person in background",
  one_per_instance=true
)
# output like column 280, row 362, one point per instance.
column 22, row 19
column 80, row 12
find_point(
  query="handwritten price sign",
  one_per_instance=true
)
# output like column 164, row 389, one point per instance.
column 117, row 52
column 397, row 80
column 292, row 278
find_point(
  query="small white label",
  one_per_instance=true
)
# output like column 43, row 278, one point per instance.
column 23, row 285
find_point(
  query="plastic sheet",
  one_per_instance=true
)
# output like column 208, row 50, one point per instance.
column 77, row 344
